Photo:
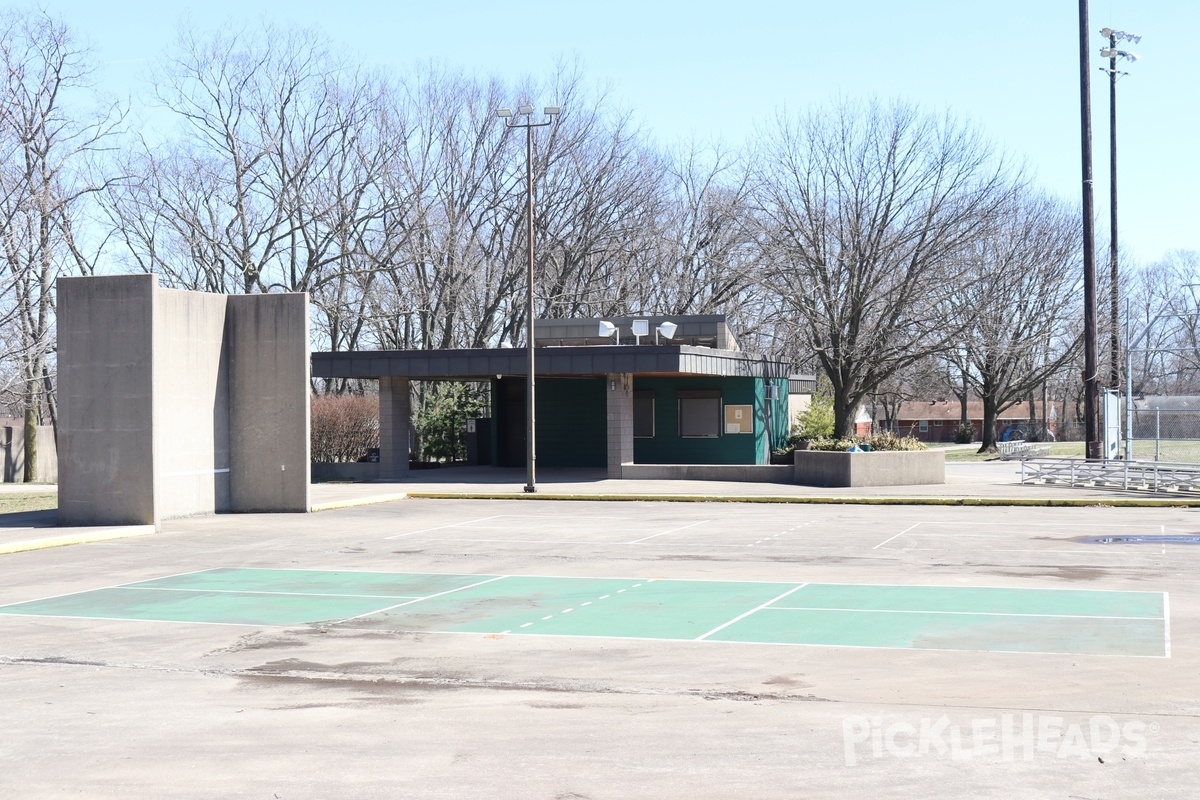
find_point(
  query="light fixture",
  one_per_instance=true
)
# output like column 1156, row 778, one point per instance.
column 526, row 110
column 667, row 329
column 608, row 329
column 551, row 111
column 640, row 327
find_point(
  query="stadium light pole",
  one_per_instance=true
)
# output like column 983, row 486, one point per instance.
column 525, row 111
column 1112, row 54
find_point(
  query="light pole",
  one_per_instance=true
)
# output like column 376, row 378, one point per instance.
column 1112, row 54
column 525, row 111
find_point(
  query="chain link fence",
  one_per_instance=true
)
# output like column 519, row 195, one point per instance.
column 1164, row 434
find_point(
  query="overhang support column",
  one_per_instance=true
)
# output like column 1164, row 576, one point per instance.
column 618, row 392
column 395, row 412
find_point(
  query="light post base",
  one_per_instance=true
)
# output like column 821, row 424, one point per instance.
column 530, row 489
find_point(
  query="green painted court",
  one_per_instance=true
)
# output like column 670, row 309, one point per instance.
column 1065, row 621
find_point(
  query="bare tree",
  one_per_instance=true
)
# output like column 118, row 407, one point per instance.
column 1016, row 306
column 862, row 212
column 46, row 149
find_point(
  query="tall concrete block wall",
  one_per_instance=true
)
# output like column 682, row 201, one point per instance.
column 106, row 400
column 267, row 349
column 191, row 411
column 175, row 403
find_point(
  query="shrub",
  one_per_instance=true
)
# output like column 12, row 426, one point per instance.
column 442, row 418
column 964, row 434
column 816, row 421
column 880, row 441
column 344, row 427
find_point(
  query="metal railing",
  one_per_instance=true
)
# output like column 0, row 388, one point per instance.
column 1149, row 476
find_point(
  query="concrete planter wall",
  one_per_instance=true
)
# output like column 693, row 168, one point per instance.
column 748, row 473
column 888, row 468
column 345, row 471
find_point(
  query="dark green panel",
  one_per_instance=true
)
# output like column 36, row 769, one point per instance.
column 572, row 426
column 667, row 447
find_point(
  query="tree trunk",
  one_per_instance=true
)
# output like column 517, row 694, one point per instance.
column 30, row 473
column 987, row 436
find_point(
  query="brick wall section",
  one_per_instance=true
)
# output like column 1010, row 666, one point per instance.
column 618, row 391
column 395, row 412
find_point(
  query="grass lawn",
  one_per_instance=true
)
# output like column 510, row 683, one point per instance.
column 40, row 501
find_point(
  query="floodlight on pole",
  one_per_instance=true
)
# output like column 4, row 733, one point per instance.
column 667, row 329
column 1112, row 54
column 607, row 329
column 526, row 110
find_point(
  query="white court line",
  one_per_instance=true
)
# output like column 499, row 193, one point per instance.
column 169, row 621
column 110, row 586
column 1167, row 626
column 253, row 591
column 898, row 535
column 673, row 530
column 443, row 527
column 711, row 642
column 748, row 613
column 962, row 613
column 427, row 597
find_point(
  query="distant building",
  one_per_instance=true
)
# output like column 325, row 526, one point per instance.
column 937, row 420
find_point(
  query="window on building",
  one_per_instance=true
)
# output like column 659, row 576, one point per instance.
column 937, row 423
column 700, row 414
column 923, row 425
column 643, row 414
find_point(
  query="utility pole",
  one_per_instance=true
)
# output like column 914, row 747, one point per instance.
column 1091, row 386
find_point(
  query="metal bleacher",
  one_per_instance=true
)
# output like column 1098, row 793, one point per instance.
column 1149, row 476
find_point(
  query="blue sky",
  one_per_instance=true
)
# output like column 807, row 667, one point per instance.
column 718, row 70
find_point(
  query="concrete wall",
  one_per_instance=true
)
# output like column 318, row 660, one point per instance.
column 174, row 403
column 345, row 471
column 105, row 400
column 12, row 453
column 888, row 468
column 747, row 473
column 191, row 387
column 267, row 348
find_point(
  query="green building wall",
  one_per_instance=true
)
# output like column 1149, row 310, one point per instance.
column 572, row 428
column 668, row 447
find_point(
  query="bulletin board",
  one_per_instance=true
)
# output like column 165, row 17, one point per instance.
column 739, row 419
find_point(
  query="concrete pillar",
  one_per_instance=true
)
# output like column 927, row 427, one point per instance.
column 618, row 392
column 395, row 413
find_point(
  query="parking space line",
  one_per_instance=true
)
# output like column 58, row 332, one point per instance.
column 443, row 527
column 673, row 530
column 897, row 536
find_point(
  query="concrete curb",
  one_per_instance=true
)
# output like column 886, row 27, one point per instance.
column 100, row 535
column 1048, row 502
column 357, row 501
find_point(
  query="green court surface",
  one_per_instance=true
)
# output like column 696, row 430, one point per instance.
column 1066, row 621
